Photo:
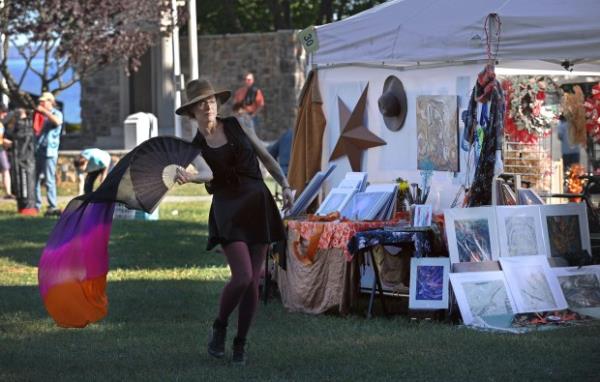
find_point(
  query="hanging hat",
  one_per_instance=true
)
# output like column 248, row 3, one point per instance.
column 392, row 103
column 197, row 90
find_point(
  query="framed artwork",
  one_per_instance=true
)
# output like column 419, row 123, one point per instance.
column 532, row 284
column 310, row 192
column 422, row 216
column 429, row 283
column 581, row 288
column 565, row 228
column 482, row 294
column 472, row 234
column 527, row 196
column 335, row 200
column 520, row 231
column 365, row 205
column 437, row 133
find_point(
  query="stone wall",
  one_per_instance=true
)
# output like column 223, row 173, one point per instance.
column 101, row 102
column 277, row 61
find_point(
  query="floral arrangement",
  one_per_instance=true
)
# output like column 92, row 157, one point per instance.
column 403, row 192
column 592, row 114
column 527, row 118
column 573, row 183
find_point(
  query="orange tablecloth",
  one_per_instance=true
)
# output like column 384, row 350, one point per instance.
column 328, row 235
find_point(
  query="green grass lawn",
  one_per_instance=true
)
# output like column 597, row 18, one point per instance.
column 163, row 290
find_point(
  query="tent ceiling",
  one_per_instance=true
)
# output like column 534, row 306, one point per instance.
column 426, row 31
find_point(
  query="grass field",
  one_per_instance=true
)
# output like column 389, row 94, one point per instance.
column 163, row 290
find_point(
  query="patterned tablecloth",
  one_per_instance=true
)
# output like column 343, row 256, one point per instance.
column 422, row 239
column 336, row 234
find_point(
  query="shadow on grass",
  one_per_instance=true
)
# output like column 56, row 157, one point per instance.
column 133, row 244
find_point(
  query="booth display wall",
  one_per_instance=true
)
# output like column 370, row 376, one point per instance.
column 399, row 157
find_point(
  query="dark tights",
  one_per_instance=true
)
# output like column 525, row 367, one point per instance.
column 246, row 264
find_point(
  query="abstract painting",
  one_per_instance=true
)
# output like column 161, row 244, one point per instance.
column 581, row 286
column 429, row 283
column 564, row 234
column 520, row 231
column 437, row 133
column 533, row 285
column 472, row 234
column 565, row 229
column 481, row 294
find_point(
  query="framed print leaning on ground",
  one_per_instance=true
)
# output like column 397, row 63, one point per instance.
column 532, row 284
column 520, row 231
column 428, row 283
column 472, row 234
column 581, row 288
column 565, row 228
column 482, row 294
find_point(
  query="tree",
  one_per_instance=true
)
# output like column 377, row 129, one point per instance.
column 243, row 16
column 83, row 35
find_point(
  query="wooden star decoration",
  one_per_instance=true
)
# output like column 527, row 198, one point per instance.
column 355, row 137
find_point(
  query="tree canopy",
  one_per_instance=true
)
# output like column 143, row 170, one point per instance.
column 243, row 16
column 83, row 35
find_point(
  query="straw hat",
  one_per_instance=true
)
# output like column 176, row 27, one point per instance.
column 392, row 103
column 197, row 90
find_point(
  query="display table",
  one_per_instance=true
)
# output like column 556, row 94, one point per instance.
column 320, row 272
column 364, row 242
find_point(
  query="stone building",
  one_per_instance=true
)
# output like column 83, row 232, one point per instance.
column 108, row 97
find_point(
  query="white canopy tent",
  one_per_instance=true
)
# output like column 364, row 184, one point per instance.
column 437, row 47
column 429, row 31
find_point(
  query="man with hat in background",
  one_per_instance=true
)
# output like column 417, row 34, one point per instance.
column 46, row 152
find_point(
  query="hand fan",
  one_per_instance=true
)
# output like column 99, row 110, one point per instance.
column 154, row 165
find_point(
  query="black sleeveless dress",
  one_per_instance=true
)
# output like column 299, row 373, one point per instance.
column 242, row 207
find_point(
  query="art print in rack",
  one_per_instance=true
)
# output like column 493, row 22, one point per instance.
column 422, row 216
column 532, row 283
column 437, row 133
column 565, row 229
column 429, row 283
column 472, row 234
column 520, row 231
column 482, row 294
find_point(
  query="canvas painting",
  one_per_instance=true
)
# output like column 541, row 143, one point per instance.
column 520, row 231
column 437, row 133
column 532, row 283
column 472, row 234
column 580, row 286
column 565, row 228
column 481, row 294
column 429, row 283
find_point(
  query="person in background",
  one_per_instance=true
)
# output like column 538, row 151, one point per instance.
column 570, row 151
column 4, row 163
column 281, row 150
column 94, row 163
column 248, row 101
column 19, row 140
column 46, row 152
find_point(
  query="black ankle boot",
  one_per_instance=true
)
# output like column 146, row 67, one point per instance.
column 216, row 345
column 239, row 352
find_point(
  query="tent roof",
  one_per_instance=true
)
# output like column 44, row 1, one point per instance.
column 427, row 31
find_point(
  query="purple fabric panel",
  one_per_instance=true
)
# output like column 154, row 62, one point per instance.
column 78, row 246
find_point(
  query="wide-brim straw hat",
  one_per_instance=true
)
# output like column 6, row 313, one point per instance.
column 197, row 90
column 392, row 103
